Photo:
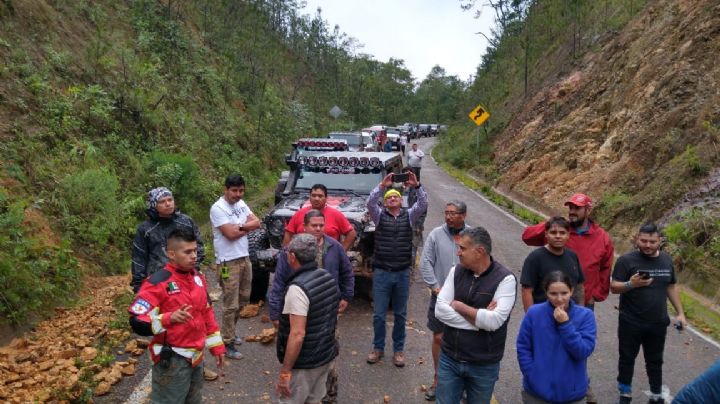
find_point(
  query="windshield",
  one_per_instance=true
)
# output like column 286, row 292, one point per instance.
column 360, row 183
column 352, row 140
column 393, row 131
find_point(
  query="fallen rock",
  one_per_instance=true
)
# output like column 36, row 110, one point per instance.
column 88, row 354
column 102, row 389
column 128, row 370
column 250, row 310
column 142, row 343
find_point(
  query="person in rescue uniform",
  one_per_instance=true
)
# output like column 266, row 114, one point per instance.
column 172, row 305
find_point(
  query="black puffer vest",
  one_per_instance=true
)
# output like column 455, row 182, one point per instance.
column 393, row 242
column 478, row 347
column 319, row 346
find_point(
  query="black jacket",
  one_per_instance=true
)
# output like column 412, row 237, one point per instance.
column 148, row 248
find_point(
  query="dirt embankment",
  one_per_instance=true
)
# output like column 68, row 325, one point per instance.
column 636, row 124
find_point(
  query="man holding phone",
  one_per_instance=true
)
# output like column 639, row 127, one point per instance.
column 392, row 260
column 645, row 279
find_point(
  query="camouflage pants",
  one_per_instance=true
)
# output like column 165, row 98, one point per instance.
column 236, row 293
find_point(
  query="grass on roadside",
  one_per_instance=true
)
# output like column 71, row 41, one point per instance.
column 486, row 189
column 701, row 317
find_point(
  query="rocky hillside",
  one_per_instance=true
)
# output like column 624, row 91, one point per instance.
column 635, row 125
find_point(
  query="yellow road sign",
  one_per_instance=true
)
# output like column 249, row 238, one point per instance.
column 479, row 115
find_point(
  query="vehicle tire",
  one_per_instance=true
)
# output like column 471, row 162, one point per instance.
column 258, row 240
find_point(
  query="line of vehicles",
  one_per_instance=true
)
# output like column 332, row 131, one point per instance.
column 350, row 165
column 373, row 138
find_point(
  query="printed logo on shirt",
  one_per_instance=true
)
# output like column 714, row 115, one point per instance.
column 198, row 281
column 239, row 211
column 172, row 288
column 140, row 307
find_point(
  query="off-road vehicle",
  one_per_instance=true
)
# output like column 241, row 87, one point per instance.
column 349, row 178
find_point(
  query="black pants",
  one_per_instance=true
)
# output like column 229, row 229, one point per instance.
column 631, row 336
column 416, row 171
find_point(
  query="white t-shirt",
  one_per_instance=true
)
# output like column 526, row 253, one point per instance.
column 414, row 158
column 223, row 213
column 296, row 302
column 403, row 140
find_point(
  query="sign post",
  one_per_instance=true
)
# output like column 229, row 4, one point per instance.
column 479, row 115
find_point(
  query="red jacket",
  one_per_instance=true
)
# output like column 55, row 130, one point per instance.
column 595, row 251
column 163, row 293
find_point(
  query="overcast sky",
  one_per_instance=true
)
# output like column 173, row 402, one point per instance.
column 423, row 33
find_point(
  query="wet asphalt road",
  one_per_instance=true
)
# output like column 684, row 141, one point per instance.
column 252, row 379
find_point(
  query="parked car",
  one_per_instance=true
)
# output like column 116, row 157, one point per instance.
column 393, row 136
column 423, row 130
column 357, row 141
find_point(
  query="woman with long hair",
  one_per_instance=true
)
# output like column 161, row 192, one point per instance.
column 556, row 338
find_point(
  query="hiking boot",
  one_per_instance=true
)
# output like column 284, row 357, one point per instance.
column 430, row 393
column 209, row 375
column 399, row 359
column 374, row 357
column 231, row 352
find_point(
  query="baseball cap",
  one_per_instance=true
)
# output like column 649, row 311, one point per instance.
column 579, row 200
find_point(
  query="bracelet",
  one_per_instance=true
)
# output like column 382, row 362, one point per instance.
column 285, row 375
column 629, row 285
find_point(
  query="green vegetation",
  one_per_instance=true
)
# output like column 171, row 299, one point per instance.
column 486, row 189
column 532, row 41
column 104, row 100
column 694, row 240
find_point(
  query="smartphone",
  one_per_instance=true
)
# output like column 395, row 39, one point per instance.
column 401, row 177
column 644, row 274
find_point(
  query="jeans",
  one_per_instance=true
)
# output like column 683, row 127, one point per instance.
column 454, row 377
column 390, row 287
column 631, row 336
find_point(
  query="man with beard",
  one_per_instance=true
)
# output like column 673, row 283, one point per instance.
column 553, row 256
column 645, row 280
column 438, row 257
column 336, row 224
column 590, row 242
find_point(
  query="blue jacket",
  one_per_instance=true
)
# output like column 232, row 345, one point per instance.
column 552, row 356
column 335, row 261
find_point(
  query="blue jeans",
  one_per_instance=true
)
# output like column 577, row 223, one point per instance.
column 454, row 377
column 390, row 287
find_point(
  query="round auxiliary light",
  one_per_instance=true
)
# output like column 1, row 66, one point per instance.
column 312, row 161
column 375, row 162
column 343, row 162
column 302, row 160
column 332, row 161
column 322, row 161
column 353, row 161
column 364, row 162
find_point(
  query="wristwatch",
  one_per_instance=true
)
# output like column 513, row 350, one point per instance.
column 241, row 227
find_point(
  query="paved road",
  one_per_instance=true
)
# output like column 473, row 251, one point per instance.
column 251, row 380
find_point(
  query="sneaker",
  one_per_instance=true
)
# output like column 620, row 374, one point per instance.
column 209, row 375
column 238, row 340
column 656, row 401
column 399, row 359
column 231, row 352
column 430, row 393
column 374, row 357
column 624, row 400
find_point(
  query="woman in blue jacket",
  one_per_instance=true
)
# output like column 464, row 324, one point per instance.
column 556, row 338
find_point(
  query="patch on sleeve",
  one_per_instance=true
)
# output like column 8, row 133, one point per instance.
column 140, row 307
column 198, row 281
column 172, row 288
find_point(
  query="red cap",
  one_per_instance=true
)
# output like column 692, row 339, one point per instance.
column 579, row 200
